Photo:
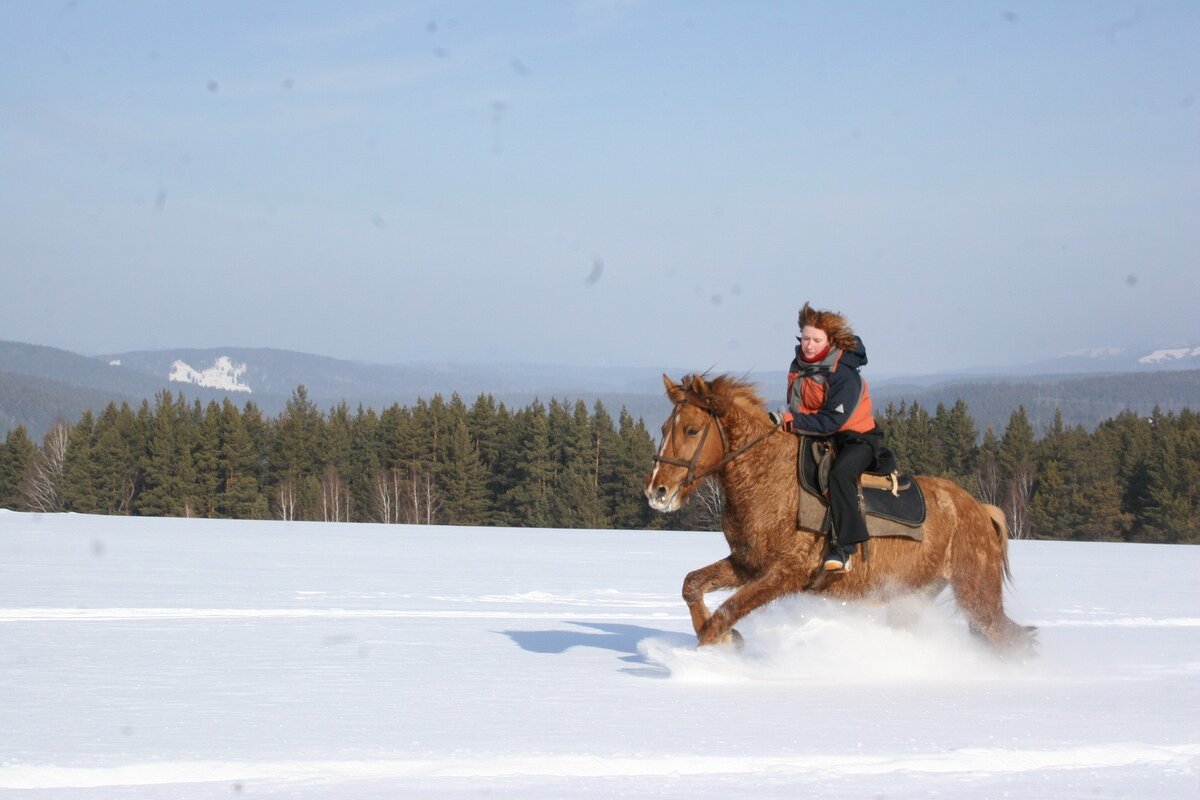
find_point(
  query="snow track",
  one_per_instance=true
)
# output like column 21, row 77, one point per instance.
column 971, row 761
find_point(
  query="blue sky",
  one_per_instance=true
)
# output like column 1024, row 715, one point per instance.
column 620, row 183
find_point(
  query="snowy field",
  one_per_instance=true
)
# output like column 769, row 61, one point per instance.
column 153, row 658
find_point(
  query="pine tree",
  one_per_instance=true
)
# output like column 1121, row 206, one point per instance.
column 634, row 461
column 1017, row 446
column 79, row 469
column 988, row 478
column 296, row 458
column 1018, row 468
column 396, row 435
column 505, row 472
column 612, row 484
column 1049, row 513
column 335, row 439
column 1127, row 440
column 575, row 499
column 167, row 463
column 954, row 436
column 239, row 491
column 527, row 501
column 206, row 459
column 335, row 497
column 1172, row 510
column 488, row 425
column 364, row 464
column 16, row 459
column 921, row 455
column 114, row 450
column 894, row 423
column 463, row 480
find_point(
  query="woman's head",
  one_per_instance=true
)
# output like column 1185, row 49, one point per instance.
column 819, row 329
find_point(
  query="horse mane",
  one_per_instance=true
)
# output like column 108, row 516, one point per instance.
column 724, row 392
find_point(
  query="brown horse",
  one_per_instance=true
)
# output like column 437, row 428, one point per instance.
column 721, row 429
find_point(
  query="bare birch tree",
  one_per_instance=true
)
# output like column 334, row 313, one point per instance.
column 710, row 503
column 987, row 481
column 1017, row 509
column 335, row 496
column 421, row 501
column 287, row 501
column 40, row 488
column 387, row 495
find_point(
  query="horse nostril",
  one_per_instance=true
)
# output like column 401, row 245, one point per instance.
column 661, row 492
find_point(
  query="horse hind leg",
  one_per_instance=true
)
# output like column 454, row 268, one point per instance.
column 977, row 578
column 904, row 611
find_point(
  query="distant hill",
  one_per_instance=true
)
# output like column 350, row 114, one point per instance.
column 37, row 402
column 1084, row 400
column 1116, row 359
column 40, row 384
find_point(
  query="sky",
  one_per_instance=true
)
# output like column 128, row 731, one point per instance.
column 601, row 182
column 191, row 658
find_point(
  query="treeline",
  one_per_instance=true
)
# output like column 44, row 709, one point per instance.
column 438, row 462
column 1133, row 478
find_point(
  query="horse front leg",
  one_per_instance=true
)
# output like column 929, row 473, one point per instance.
column 751, row 595
column 720, row 575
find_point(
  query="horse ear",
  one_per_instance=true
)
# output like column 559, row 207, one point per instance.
column 674, row 392
column 719, row 400
column 703, row 394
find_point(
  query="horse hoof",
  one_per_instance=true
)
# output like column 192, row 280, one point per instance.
column 732, row 639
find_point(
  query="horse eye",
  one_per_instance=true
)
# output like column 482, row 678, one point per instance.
column 692, row 431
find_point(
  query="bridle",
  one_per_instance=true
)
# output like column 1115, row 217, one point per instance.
column 713, row 419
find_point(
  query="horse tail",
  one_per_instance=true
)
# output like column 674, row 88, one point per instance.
column 1000, row 525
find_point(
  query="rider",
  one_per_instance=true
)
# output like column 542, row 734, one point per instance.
column 828, row 398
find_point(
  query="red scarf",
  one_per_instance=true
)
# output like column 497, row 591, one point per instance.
column 818, row 357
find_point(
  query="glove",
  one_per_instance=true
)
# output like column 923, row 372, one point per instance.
column 781, row 419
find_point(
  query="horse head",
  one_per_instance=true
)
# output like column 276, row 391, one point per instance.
column 694, row 441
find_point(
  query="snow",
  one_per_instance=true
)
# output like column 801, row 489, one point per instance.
column 223, row 374
column 1170, row 354
column 166, row 658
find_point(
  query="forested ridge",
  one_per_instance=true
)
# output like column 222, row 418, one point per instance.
column 1134, row 477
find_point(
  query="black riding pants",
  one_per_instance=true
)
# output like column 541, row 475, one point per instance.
column 853, row 458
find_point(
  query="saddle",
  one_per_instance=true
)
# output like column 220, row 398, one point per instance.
column 892, row 503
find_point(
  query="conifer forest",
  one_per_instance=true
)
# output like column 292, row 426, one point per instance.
column 564, row 465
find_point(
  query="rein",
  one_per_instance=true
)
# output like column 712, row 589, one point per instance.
column 692, row 475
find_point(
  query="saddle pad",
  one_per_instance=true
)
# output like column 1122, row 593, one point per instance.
column 906, row 508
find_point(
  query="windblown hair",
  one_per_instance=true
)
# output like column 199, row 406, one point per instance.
column 833, row 323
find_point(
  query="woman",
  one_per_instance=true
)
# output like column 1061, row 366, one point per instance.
column 828, row 398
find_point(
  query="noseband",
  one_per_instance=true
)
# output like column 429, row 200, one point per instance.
column 713, row 419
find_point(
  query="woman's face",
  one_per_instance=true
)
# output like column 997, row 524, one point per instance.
column 812, row 341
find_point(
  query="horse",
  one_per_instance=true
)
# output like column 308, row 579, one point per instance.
column 774, row 550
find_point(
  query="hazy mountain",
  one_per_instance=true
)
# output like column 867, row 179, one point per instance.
column 1145, row 358
column 279, row 372
column 39, row 384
